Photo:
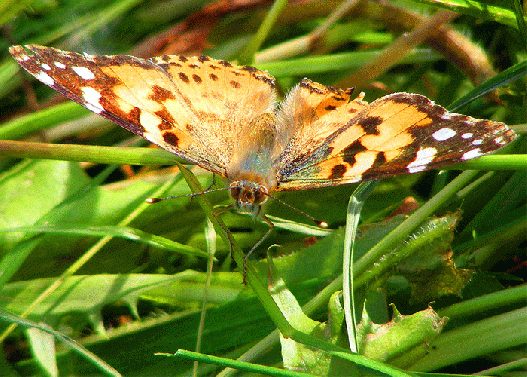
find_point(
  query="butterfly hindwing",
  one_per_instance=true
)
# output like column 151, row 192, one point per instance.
column 309, row 114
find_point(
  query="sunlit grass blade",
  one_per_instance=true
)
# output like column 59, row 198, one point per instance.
column 123, row 232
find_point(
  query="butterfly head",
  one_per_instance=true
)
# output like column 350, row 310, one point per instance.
column 248, row 196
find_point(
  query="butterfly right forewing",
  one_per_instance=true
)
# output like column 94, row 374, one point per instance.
column 396, row 134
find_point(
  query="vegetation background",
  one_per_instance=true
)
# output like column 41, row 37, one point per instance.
column 83, row 257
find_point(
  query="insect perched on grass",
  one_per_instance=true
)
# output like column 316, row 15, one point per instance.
column 225, row 118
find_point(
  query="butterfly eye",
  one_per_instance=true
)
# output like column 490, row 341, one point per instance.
column 235, row 190
column 260, row 195
column 248, row 196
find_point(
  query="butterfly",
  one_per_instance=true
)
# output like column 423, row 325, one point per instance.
column 226, row 119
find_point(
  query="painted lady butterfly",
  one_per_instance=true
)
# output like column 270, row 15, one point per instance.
column 225, row 119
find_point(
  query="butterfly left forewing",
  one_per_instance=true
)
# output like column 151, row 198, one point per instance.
column 396, row 134
column 133, row 93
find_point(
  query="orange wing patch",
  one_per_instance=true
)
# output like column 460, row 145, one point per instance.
column 224, row 98
column 129, row 91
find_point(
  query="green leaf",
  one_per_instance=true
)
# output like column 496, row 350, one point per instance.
column 403, row 340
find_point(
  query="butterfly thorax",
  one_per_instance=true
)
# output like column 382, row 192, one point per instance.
column 252, row 172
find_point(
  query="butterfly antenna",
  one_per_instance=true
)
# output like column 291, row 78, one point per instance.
column 320, row 223
column 157, row 200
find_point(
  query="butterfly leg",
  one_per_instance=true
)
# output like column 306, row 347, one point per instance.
column 225, row 230
column 231, row 242
column 271, row 227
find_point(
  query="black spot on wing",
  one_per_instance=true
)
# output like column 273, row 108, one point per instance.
column 380, row 159
column 160, row 94
column 168, row 120
column 338, row 172
column 171, row 139
column 250, row 69
column 351, row 151
column 370, row 124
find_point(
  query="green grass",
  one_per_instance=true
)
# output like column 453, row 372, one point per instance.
column 99, row 283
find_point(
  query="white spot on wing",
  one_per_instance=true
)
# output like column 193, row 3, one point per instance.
column 59, row 65
column 477, row 142
column 471, row 154
column 500, row 141
column 444, row 134
column 149, row 121
column 151, row 138
column 89, row 57
column 424, row 157
column 468, row 135
column 84, row 73
column 45, row 78
column 91, row 96
column 46, row 67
